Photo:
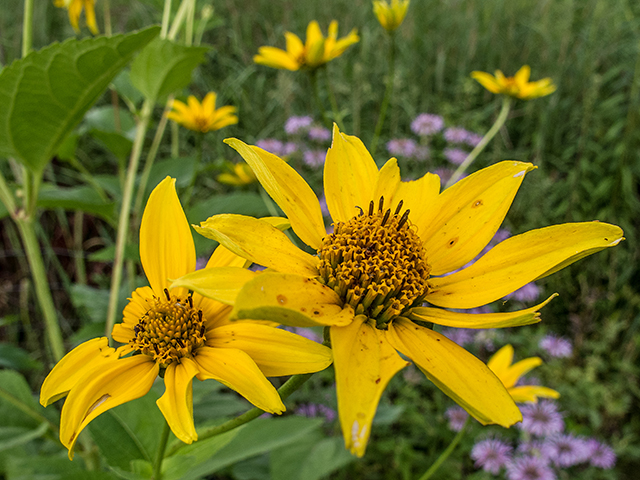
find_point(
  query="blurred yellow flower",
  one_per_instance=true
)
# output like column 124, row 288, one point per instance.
column 183, row 335
column 202, row 117
column 500, row 364
column 390, row 15
column 74, row 7
column 317, row 50
column 240, row 174
column 517, row 86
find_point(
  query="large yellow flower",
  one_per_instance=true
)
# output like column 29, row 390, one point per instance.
column 182, row 335
column 393, row 247
column 517, row 86
column 202, row 117
column 74, row 8
column 390, row 15
column 500, row 364
column 316, row 51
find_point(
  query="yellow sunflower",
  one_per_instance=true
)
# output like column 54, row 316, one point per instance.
column 202, row 117
column 316, row 51
column 517, row 86
column 500, row 364
column 74, row 8
column 390, row 15
column 181, row 335
column 394, row 246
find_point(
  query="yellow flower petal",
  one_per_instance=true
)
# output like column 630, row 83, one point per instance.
column 276, row 58
column 522, row 76
column 176, row 404
column 387, row 184
column 295, row 47
column 235, row 369
column 517, row 370
column 456, row 372
column 276, row 352
column 470, row 213
column 364, row 363
column 90, row 13
column 166, row 244
column 487, row 80
column 500, row 362
column 520, row 260
column 419, row 196
column 530, row 393
column 223, row 257
column 350, row 174
column 479, row 320
column 259, row 242
column 288, row 189
column 221, row 283
column 103, row 388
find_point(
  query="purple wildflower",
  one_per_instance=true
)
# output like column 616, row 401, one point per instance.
column 271, row 145
column 566, row 450
column 601, row 455
column 457, row 417
column 461, row 336
column 296, row 125
column 473, row 139
column 427, row 124
column 402, row 147
column 323, row 205
column 526, row 293
column 316, row 410
column 529, row 468
column 491, row 455
column 314, row 158
column 456, row 135
column 455, row 155
column 555, row 346
column 444, row 174
column 541, row 418
column 319, row 134
column 289, row 148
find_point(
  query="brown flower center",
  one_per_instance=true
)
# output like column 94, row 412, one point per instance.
column 171, row 329
column 376, row 263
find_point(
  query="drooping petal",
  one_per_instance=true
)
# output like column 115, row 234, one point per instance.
column 221, row 283
column 519, row 260
column 103, row 388
column 276, row 58
column 530, row 393
column 73, row 366
column 291, row 300
column 238, row 371
column 364, row 363
column 276, row 352
column 447, row 318
column 166, row 244
column 259, row 242
column 176, row 404
column 288, row 189
column 419, row 196
column 470, row 213
column 456, row 372
column 350, row 174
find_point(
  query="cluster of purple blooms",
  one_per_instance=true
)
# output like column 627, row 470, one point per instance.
column 555, row 346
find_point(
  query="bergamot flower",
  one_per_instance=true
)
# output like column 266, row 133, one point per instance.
column 74, row 8
column 517, row 86
column 202, row 117
column 178, row 335
column 500, row 364
column 316, row 51
column 395, row 245
column 390, row 15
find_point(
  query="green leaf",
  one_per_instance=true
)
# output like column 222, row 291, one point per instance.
column 82, row 198
column 103, row 118
column 12, row 356
column 51, row 468
column 46, row 94
column 91, row 301
column 163, row 67
column 115, row 142
column 18, row 407
column 13, row 436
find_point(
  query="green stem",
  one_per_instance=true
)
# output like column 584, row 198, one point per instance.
column 290, row 386
column 191, row 16
column 125, row 210
column 166, row 13
column 313, row 78
column 175, row 140
column 186, row 199
column 337, row 117
column 27, row 28
column 107, row 18
column 162, row 446
column 444, row 455
column 387, row 93
column 178, row 19
column 502, row 117
column 78, row 254
column 6, row 197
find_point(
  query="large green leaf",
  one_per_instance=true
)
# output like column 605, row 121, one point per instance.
column 46, row 94
column 18, row 407
column 311, row 458
column 82, row 198
column 164, row 67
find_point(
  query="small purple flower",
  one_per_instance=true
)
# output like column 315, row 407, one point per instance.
column 289, row 148
column 455, row 155
column 402, row 147
column 601, row 455
column 296, row 125
column 457, row 417
column 529, row 468
column 456, row 135
column 526, row 293
column 422, row 152
column 201, row 262
column 473, row 139
column 534, row 448
column 491, row 455
column 319, row 134
column 541, row 418
column 555, row 346
column 314, row 158
column 427, row 124
column 316, row 410
column 323, row 205
column 461, row 336
column 271, row 145
column 566, row 450
column 444, row 174
column 307, row 333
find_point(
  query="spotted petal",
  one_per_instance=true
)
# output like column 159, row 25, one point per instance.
column 221, row 283
column 177, row 402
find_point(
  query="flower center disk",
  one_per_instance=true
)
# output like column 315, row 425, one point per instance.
column 376, row 263
column 171, row 329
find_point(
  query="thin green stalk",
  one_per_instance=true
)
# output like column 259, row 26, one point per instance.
column 107, row 18
column 125, row 210
column 78, row 254
column 178, row 19
column 23, row 407
column 162, row 446
column 191, row 16
column 186, row 199
column 27, row 28
column 502, row 117
column 313, row 78
column 290, row 386
column 337, row 116
column 387, row 93
column 444, row 455
column 166, row 13
column 175, row 140
column 6, row 197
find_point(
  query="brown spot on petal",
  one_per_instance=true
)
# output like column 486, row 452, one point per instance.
column 478, row 203
column 281, row 299
column 452, row 242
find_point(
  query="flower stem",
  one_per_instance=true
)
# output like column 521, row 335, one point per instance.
column 107, row 18
column 502, row 117
column 445, row 454
column 166, row 13
column 337, row 116
column 125, row 210
column 27, row 28
column 290, row 386
column 186, row 199
column 387, row 94
column 162, row 446
column 313, row 78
